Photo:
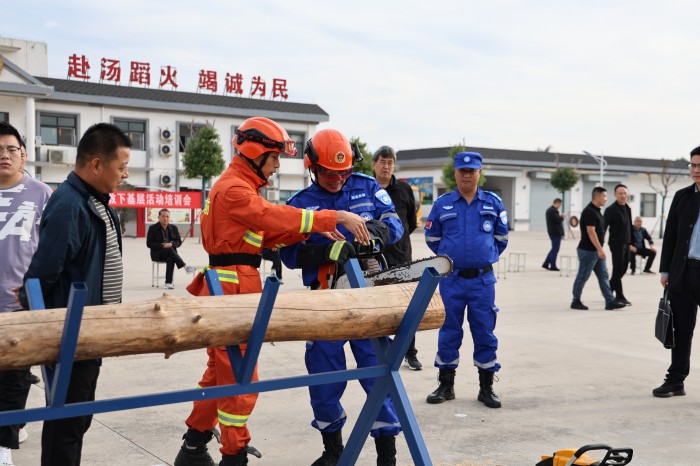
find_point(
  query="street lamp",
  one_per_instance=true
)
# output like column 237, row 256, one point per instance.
column 601, row 162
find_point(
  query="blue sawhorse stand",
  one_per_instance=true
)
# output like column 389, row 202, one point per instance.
column 386, row 375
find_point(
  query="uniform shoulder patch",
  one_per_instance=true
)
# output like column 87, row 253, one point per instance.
column 383, row 196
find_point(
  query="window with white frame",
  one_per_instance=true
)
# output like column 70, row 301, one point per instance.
column 57, row 129
column 648, row 205
column 135, row 129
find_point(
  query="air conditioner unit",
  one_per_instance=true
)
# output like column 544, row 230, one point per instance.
column 166, row 149
column 166, row 180
column 273, row 195
column 58, row 156
column 165, row 134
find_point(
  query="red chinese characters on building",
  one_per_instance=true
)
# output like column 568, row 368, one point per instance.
column 140, row 73
column 279, row 88
column 78, row 67
column 111, row 70
column 207, row 80
column 168, row 75
column 234, row 84
column 257, row 86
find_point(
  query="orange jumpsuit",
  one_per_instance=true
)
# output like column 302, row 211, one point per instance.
column 237, row 219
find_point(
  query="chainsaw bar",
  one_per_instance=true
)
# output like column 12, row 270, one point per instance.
column 403, row 273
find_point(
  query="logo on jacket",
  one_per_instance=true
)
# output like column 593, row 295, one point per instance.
column 487, row 225
column 383, row 196
column 366, row 215
column 428, row 224
column 447, row 207
column 340, row 157
column 504, row 217
column 357, row 196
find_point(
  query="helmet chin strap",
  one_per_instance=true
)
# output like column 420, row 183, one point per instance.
column 256, row 167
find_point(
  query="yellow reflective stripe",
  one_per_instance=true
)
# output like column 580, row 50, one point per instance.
column 335, row 250
column 253, row 239
column 205, row 211
column 307, row 221
column 232, row 419
column 280, row 245
column 229, row 276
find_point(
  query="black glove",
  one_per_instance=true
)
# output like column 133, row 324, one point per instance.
column 378, row 229
column 313, row 255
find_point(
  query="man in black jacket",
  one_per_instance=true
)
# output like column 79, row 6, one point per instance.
column 618, row 218
column 680, row 275
column 555, row 230
column 163, row 239
column 384, row 163
column 641, row 235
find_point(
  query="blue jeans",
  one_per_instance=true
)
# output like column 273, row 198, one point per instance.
column 588, row 261
column 551, row 260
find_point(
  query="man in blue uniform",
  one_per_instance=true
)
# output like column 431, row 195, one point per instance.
column 329, row 156
column 470, row 226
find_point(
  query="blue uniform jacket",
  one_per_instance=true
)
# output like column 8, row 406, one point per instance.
column 472, row 235
column 361, row 195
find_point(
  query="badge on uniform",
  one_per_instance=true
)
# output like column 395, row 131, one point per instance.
column 504, row 217
column 447, row 207
column 366, row 216
column 428, row 224
column 383, row 196
column 487, row 225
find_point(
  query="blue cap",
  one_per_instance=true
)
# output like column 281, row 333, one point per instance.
column 468, row 160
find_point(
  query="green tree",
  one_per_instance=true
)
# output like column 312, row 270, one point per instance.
column 667, row 179
column 366, row 165
column 448, row 170
column 563, row 179
column 204, row 157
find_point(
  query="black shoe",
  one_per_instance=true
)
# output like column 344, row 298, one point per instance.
column 194, row 448
column 33, row 379
column 554, row 269
column 578, row 305
column 386, row 450
column 332, row 449
column 486, row 393
column 624, row 301
column 412, row 362
column 650, row 272
column 545, row 266
column 446, row 389
column 669, row 389
column 632, row 272
column 615, row 305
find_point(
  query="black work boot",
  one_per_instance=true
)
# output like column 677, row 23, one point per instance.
column 669, row 389
column 486, row 394
column 240, row 458
column 333, row 448
column 386, row 450
column 193, row 451
column 446, row 389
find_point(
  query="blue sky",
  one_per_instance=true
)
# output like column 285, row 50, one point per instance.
column 617, row 78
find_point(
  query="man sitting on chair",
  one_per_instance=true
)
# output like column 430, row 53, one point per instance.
column 163, row 239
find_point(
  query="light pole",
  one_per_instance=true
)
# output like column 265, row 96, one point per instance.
column 602, row 163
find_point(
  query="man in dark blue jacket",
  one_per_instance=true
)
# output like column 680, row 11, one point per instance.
column 80, row 241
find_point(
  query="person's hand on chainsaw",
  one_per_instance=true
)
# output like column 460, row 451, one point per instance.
column 313, row 255
column 378, row 229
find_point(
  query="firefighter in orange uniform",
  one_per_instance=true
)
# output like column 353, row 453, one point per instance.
column 237, row 222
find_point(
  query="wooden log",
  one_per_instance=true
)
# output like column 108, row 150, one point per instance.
column 171, row 324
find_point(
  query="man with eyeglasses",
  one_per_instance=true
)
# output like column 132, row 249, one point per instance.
column 329, row 156
column 22, row 201
column 680, row 276
column 471, row 226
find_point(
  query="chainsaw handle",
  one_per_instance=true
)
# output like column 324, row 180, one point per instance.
column 613, row 456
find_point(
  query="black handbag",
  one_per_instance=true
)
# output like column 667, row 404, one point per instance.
column 664, row 323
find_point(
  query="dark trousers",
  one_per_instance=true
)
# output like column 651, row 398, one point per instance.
column 62, row 439
column 620, row 259
column 551, row 260
column 274, row 257
column 685, row 308
column 171, row 259
column 14, row 389
column 644, row 252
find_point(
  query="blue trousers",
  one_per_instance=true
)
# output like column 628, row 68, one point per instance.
column 476, row 296
column 551, row 260
column 588, row 261
column 329, row 415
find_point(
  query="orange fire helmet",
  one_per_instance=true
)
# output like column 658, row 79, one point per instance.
column 258, row 135
column 330, row 149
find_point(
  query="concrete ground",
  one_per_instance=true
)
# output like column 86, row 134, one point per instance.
column 569, row 378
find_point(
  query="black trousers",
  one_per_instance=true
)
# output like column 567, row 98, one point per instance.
column 14, row 389
column 171, row 259
column 62, row 439
column 620, row 259
column 644, row 252
column 685, row 310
